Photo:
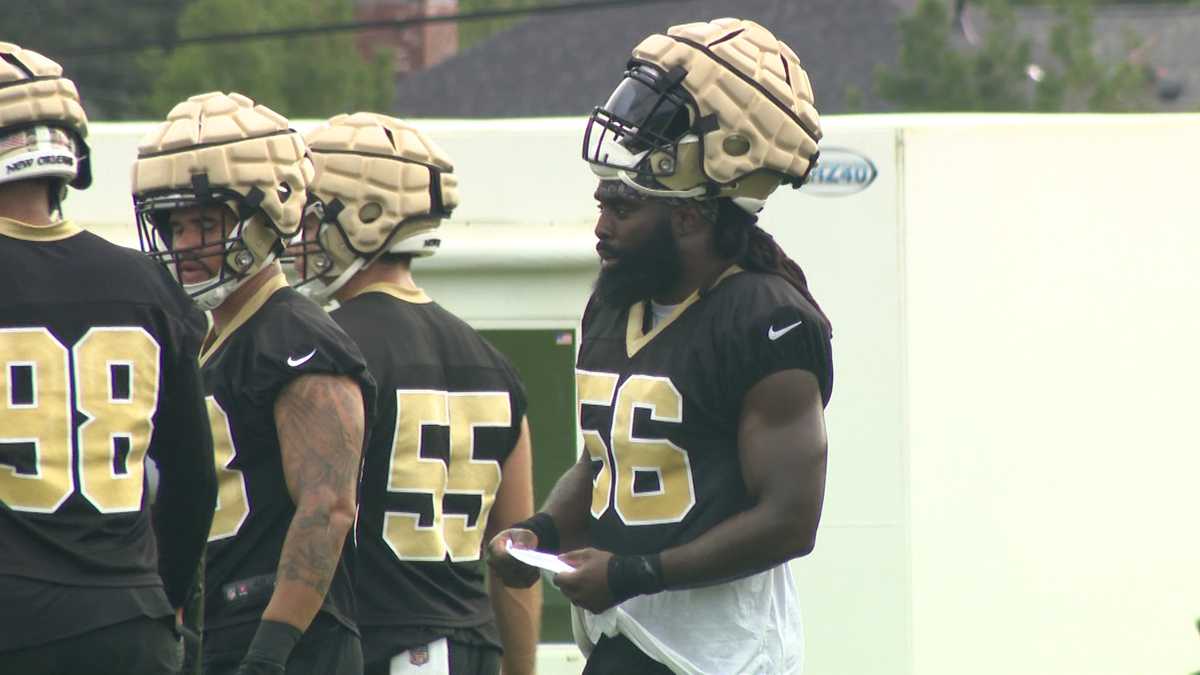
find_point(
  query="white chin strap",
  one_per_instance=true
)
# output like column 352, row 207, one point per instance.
column 208, row 295
column 612, row 173
column 749, row 204
column 626, row 178
column 320, row 291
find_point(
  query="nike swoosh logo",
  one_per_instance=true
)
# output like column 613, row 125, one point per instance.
column 773, row 334
column 304, row 359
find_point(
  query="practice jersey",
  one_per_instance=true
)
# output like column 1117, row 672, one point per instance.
column 278, row 336
column 450, row 412
column 659, row 408
column 98, row 349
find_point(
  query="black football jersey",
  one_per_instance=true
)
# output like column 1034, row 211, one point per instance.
column 278, row 336
column 659, row 409
column 449, row 415
column 98, row 349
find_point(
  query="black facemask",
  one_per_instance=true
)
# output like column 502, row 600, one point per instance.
column 642, row 272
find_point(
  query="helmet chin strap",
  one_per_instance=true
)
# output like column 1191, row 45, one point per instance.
column 208, row 295
column 615, row 151
column 749, row 204
column 320, row 291
column 625, row 178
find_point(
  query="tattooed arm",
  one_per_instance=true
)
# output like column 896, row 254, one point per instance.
column 320, row 424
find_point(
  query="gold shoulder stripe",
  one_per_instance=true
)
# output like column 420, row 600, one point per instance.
column 415, row 296
column 635, row 339
column 63, row 229
column 214, row 340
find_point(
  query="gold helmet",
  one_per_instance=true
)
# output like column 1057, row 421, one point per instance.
column 42, row 124
column 381, row 186
column 220, row 148
column 717, row 109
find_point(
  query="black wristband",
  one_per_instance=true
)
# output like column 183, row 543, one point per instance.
column 543, row 526
column 633, row 575
column 273, row 643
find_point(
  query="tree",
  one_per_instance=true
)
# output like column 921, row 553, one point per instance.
column 311, row 76
column 935, row 74
column 471, row 33
column 937, row 71
column 1079, row 80
column 112, row 86
column 931, row 73
column 1108, row 2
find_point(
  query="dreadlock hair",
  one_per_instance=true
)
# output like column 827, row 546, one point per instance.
column 739, row 238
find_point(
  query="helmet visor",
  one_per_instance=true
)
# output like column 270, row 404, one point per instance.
column 655, row 114
column 647, row 112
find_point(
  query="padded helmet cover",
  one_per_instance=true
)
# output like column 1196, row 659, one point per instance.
column 753, row 123
column 241, row 147
column 33, row 92
column 391, row 181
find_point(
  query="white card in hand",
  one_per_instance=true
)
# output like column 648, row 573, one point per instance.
column 545, row 561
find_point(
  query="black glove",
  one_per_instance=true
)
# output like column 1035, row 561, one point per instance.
column 269, row 651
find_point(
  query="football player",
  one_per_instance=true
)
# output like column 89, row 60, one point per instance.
column 98, row 351
column 218, row 187
column 449, row 461
column 703, row 371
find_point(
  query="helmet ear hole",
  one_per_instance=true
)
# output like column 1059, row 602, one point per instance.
column 736, row 145
column 370, row 212
column 284, row 190
column 334, row 246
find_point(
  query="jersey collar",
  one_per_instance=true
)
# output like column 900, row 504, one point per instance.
column 16, row 229
column 635, row 339
column 415, row 296
column 256, row 301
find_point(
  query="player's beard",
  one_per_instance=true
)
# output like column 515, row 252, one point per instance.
column 641, row 272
